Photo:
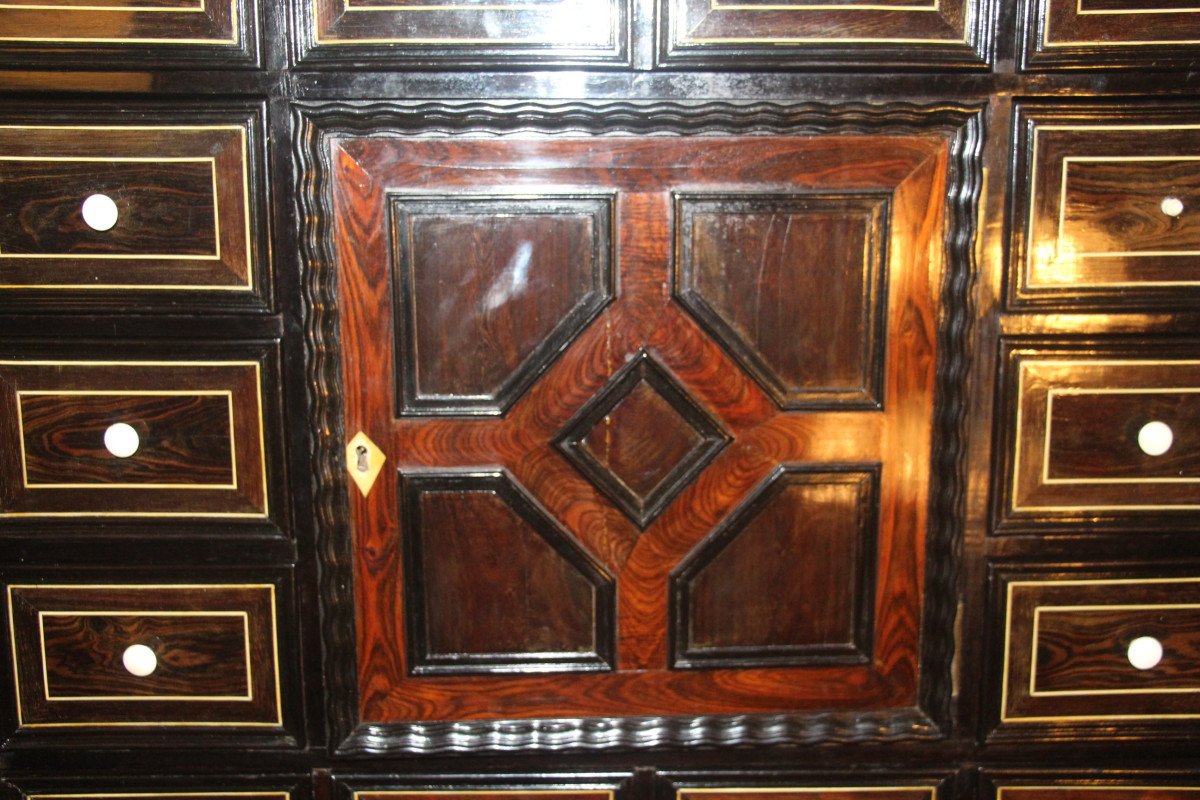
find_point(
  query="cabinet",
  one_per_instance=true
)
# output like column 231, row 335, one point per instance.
column 616, row 400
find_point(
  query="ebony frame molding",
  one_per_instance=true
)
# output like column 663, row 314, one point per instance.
column 316, row 123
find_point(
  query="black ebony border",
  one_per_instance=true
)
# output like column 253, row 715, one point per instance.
column 316, row 123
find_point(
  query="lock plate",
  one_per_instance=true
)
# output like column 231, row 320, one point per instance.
column 364, row 460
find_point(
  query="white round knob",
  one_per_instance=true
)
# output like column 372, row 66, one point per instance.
column 1145, row 652
column 139, row 660
column 1155, row 438
column 1171, row 206
column 100, row 212
column 121, row 440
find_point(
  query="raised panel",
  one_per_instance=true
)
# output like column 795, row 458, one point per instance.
column 215, row 647
column 793, row 286
column 465, row 32
column 814, row 33
column 1062, row 34
column 1106, row 208
column 494, row 585
column 491, row 290
column 642, row 439
column 787, row 579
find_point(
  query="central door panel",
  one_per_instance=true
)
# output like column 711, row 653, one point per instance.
column 657, row 415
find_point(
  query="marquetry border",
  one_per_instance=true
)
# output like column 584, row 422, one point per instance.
column 316, row 123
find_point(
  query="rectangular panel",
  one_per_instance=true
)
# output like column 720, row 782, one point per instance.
column 811, row 793
column 1108, row 206
column 462, row 32
column 209, row 655
column 948, row 33
column 183, row 200
column 1076, row 650
column 1102, row 432
column 132, row 438
column 1111, row 33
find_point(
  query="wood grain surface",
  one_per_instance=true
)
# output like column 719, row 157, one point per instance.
column 645, row 173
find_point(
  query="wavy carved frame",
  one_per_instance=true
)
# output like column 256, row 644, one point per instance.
column 315, row 123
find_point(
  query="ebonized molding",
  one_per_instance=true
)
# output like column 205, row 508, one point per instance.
column 316, row 123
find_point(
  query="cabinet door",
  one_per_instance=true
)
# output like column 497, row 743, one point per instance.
column 641, row 426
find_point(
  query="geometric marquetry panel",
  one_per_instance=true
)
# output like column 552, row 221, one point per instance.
column 751, row 266
column 490, row 290
column 788, row 578
column 641, row 439
column 494, row 584
column 719, row 504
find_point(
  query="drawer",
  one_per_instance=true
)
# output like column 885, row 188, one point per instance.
column 145, row 655
column 1111, row 33
column 132, row 438
column 810, row 793
column 1108, row 208
column 732, row 35
column 581, row 32
column 1101, row 649
column 1102, row 432
column 122, row 35
column 88, row 207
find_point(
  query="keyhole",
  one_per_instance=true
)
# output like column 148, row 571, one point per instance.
column 364, row 458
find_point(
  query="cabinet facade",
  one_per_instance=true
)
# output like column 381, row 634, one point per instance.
column 616, row 400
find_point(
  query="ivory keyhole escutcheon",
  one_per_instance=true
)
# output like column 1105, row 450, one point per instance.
column 364, row 460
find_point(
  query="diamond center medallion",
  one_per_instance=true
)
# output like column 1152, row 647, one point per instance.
column 642, row 439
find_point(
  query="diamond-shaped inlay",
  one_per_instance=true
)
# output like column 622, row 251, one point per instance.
column 642, row 439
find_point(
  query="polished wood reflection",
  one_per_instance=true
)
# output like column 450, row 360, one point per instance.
column 644, row 175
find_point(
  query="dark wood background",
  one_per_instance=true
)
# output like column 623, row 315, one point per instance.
column 277, row 78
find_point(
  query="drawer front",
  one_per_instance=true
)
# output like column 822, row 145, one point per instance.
column 145, row 655
column 811, row 793
column 126, row 208
column 946, row 33
column 133, row 438
column 1101, row 649
column 1090, row 430
column 549, row 31
column 1109, row 207
column 1089, row 791
column 142, row 33
column 1111, row 33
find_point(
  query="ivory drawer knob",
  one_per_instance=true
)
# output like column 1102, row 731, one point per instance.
column 121, row 440
column 100, row 212
column 1145, row 652
column 1171, row 206
column 1155, row 438
column 139, row 660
